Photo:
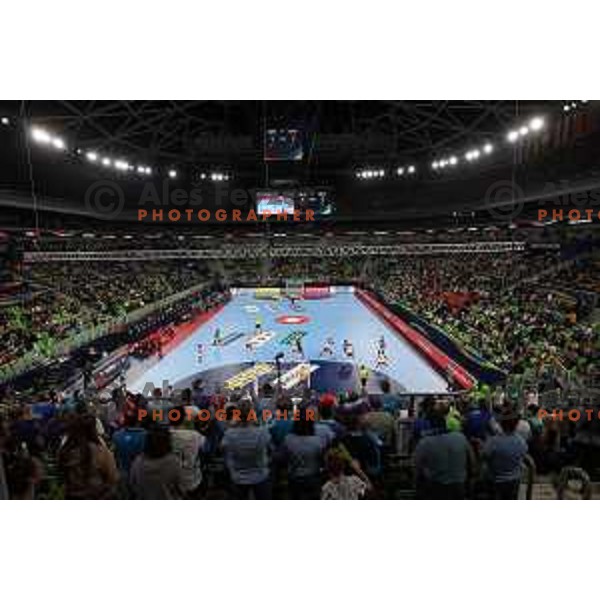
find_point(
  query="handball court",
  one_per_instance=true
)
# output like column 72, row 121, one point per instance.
column 329, row 340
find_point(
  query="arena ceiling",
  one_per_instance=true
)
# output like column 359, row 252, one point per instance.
column 340, row 140
column 338, row 134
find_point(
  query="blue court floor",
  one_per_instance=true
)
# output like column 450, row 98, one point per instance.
column 245, row 354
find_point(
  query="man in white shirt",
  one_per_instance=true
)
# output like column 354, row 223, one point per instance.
column 187, row 446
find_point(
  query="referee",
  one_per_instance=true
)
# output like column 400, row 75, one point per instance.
column 363, row 374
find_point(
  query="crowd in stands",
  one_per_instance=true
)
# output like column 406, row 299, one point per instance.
column 516, row 310
column 199, row 443
column 522, row 313
column 528, row 312
column 61, row 300
column 142, row 338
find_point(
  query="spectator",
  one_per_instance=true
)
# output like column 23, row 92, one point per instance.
column 23, row 473
column 283, row 422
column 503, row 455
column 3, row 441
column 339, row 485
column 523, row 428
column 303, row 450
column 390, row 402
column 444, row 463
column 363, row 446
column 19, row 471
column 187, row 446
column 87, row 465
column 128, row 443
column 266, row 400
column 477, row 421
column 156, row 474
column 246, row 447
column 200, row 396
column 381, row 423
column 26, row 430
column 424, row 423
column 326, row 419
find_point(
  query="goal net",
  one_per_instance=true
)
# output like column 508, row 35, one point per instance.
column 294, row 288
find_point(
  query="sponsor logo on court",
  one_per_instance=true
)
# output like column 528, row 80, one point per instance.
column 293, row 319
column 251, row 308
column 293, row 337
column 260, row 339
column 247, row 376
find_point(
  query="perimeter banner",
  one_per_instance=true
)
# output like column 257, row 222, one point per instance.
column 268, row 293
column 315, row 293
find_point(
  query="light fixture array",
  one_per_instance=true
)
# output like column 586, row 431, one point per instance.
column 573, row 105
column 44, row 137
column 407, row 170
column 531, row 127
column 370, row 173
column 471, row 155
column 219, row 176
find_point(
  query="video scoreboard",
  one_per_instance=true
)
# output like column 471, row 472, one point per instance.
column 319, row 200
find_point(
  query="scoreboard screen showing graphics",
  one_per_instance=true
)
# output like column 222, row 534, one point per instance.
column 283, row 144
column 319, row 200
column 274, row 202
